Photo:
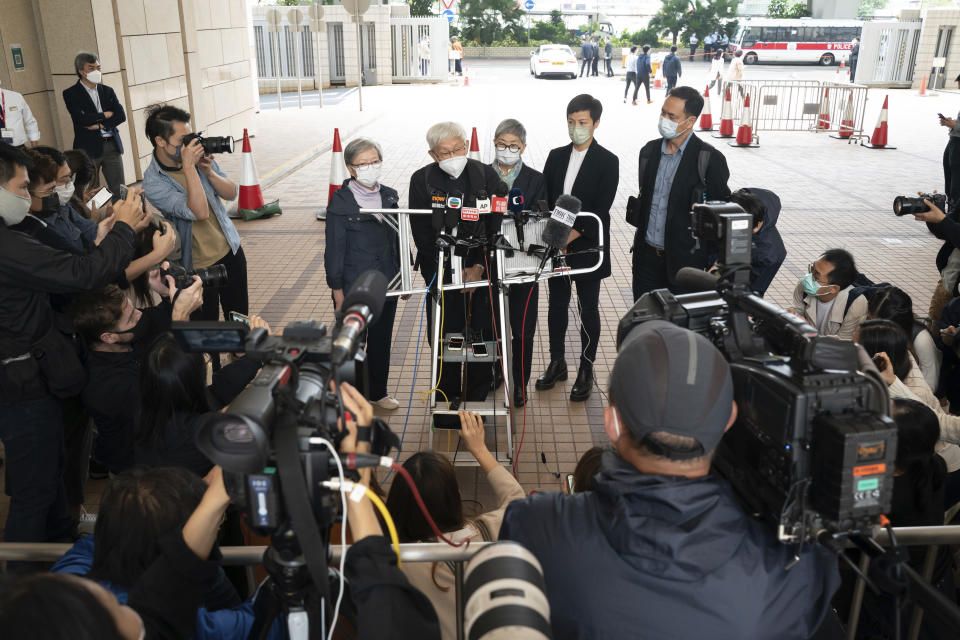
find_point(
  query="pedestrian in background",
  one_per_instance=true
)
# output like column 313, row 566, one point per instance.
column 735, row 71
column 608, row 57
column 595, row 62
column 17, row 124
column 643, row 73
column 457, row 56
column 694, row 43
column 716, row 71
column 672, row 69
column 707, row 44
column 423, row 48
column 632, row 75
column 585, row 50
column 854, row 55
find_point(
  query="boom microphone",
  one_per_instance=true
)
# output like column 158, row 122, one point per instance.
column 693, row 280
column 361, row 306
column 558, row 227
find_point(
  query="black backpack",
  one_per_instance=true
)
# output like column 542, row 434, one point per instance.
column 863, row 286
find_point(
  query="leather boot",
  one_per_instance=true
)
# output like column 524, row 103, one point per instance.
column 556, row 372
column 583, row 384
column 519, row 396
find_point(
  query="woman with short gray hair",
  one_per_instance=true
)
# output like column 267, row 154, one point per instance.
column 358, row 242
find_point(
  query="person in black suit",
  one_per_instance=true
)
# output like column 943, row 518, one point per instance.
column 591, row 173
column 586, row 56
column 677, row 170
column 509, row 143
column 96, row 114
column 452, row 176
column 596, row 55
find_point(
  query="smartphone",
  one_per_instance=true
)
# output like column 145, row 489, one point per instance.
column 569, row 482
column 479, row 350
column 239, row 317
column 456, row 343
column 100, row 198
column 880, row 362
column 941, row 116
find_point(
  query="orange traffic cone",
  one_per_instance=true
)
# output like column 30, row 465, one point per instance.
column 250, row 196
column 338, row 172
column 726, row 118
column 823, row 118
column 474, row 153
column 846, row 124
column 706, row 120
column 923, row 87
column 879, row 138
column 657, row 83
column 745, row 131
column 842, row 65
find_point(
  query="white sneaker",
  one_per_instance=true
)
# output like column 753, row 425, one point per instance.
column 387, row 403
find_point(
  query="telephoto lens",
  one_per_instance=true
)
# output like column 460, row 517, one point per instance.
column 217, row 144
column 213, row 276
column 911, row 206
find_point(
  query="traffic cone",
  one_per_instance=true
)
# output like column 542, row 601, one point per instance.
column 706, row 120
column 842, row 65
column 657, row 83
column 823, row 118
column 923, row 87
column 474, row 153
column 250, row 203
column 846, row 124
column 879, row 138
column 338, row 172
column 745, row 131
column 726, row 118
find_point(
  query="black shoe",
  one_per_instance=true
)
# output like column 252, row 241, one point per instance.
column 583, row 385
column 519, row 396
column 98, row 470
column 556, row 372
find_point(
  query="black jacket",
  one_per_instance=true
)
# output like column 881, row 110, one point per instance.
column 84, row 113
column 426, row 181
column 30, row 272
column 647, row 556
column 671, row 66
column 596, row 187
column 358, row 242
column 643, row 65
column 686, row 189
column 947, row 230
column 533, row 185
column 768, row 251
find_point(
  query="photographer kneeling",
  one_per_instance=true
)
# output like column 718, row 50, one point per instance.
column 661, row 544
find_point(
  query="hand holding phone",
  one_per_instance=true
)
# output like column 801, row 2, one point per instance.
column 99, row 199
column 239, row 317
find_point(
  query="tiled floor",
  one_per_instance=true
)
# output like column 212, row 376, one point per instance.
column 834, row 194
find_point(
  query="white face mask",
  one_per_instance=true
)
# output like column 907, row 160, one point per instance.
column 368, row 175
column 95, row 76
column 579, row 135
column 13, row 208
column 453, row 167
column 65, row 192
column 668, row 128
column 507, row 158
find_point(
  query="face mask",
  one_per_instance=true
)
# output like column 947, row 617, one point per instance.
column 507, row 158
column 50, row 204
column 95, row 77
column 579, row 135
column 13, row 208
column 453, row 167
column 65, row 193
column 139, row 332
column 668, row 128
column 368, row 175
column 811, row 286
column 177, row 155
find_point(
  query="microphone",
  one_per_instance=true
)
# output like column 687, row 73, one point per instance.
column 361, row 306
column 515, row 207
column 557, row 229
column 693, row 280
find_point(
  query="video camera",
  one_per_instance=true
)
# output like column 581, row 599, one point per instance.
column 211, row 144
column 812, row 451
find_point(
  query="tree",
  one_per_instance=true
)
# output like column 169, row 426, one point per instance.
column 486, row 21
column 867, row 7
column 556, row 19
column 422, row 7
column 687, row 17
column 670, row 20
column 787, row 9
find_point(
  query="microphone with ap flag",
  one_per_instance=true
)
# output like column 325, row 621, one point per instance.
column 361, row 306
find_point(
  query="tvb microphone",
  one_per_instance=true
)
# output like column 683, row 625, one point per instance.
column 558, row 227
column 361, row 306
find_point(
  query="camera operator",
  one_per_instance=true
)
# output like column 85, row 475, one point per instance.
column 675, row 553
column 187, row 185
column 951, row 160
column 31, row 387
column 768, row 251
column 117, row 336
column 822, row 297
column 162, row 603
column 945, row 228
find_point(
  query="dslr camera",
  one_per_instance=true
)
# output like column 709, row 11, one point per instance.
column 212, row 144
column 211, row 277
column 911, row 206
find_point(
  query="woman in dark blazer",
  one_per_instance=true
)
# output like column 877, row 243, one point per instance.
column 357, row 242
column 509, row 142
column 591, row 173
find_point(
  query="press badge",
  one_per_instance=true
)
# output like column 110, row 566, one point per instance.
column 6, row 135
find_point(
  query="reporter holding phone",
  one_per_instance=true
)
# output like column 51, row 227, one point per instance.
column 951, row 159
column 358, row 242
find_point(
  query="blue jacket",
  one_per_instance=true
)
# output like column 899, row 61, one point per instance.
column 768, row 251
column 225, row 624
column 671, row 66
column 84, row 113
column 77, row 232
column 357, row 242
column 643, row 64
column 667, row 557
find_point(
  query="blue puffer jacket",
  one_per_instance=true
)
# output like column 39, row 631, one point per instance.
column 649, row 556
column 225, row 624
column 357, row 242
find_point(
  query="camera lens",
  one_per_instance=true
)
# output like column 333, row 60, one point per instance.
column 908, row 206
column 213, row 276
column 218, row 144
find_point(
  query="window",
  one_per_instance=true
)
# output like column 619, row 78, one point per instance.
column 749, row 37
column 793, row 34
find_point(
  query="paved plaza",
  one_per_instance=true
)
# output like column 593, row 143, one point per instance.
column 834, row 195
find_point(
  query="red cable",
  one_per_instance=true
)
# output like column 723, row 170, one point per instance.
column 426, row 514
column 523, row 346
column 496, row 338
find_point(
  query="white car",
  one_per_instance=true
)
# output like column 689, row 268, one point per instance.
column 553, row 59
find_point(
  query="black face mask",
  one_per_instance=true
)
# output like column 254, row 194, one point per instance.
column 141, row 332
column 49, row 205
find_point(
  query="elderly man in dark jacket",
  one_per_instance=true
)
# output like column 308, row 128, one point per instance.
column 768, row 251
column 661, row 547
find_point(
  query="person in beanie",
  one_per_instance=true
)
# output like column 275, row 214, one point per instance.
column 661, row 544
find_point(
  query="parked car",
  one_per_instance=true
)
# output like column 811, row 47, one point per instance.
column 553, row 59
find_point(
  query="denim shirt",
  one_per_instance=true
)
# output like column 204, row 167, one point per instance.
column 657, row 225
column 78, row 232
column 170, row 198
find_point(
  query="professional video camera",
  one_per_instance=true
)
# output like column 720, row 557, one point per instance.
column 812, row 451
column 274, row 440
column 911, row 206
column 211, row 144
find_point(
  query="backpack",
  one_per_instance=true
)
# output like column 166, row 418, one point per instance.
column 703, row 162
column 863, row 286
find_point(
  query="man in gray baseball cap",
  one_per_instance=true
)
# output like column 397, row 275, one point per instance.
column 661, row 547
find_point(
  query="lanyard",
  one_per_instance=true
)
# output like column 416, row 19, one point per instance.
column 3, row 107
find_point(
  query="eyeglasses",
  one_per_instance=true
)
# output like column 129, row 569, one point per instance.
column 443, row 155
column 503, row 147
column 816, row 276
column 364, row 165
column 46, row 193
column 65, row 180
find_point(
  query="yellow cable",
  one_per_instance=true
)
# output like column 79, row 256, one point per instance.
column 424, row 394
column 375, row 499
